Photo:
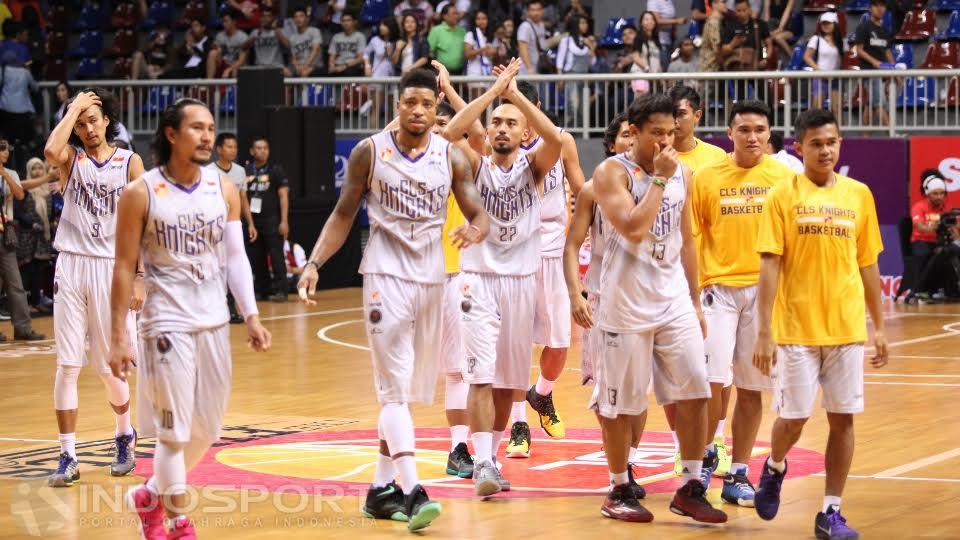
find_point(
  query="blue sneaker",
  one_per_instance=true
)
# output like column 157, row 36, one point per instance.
column 124, row 458
column 767, row 498
column 68, row 472
column 737, row 489
column 832, row 526
column 710, row 463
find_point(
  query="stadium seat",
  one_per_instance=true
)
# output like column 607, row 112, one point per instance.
column 160, row 11
column 857, row 6
column 942, row 55
column 953, row 92
column 946, row 5
column 796, row 59
column 851, row 60
column 952, row 33
column 89, row 45
column 903, row 54
column 59, row 18
column 613, row 35
column 55, row 69
column 819, row 6
column 374, row 11
column 124, row 15
column 228, row 103
column 193, row 10
column 158, row 99
column 694, row 29
column 89, row 18
column 90, row 68
column 352, row 98
column 124, row 43
column 319, row 95
column 918, row 25
column 121, row 68
column 56, row 43
column 918, row 92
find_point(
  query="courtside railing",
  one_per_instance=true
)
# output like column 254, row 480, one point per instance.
column 881, row 102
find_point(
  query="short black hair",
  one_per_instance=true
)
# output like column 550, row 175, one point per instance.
column 630, row 26
column 348, row 14
column 682, row 92
column 750, row 106
column 529, row 91
column 741, row 2
column 110, row 107
column 532, row 2
column 257, row 138
column 610, row 134
column 419, row 78
column 445, row 109
column 446, row 9
column 224, row 137
column 648, row 105
column 776, row 140
column 171, row 117
column 300, row 7
column 882, row 2
column 813, row 118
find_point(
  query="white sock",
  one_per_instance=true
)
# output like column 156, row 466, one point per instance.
column 676, row 441
column 482, row 445
column 712, row 447
column 123, row 423
column 518, row 413
column 458, row 434
column 829, row 501
column 779, row 466
column 544, row 387
column 407, row 467
column 68, row 444
column 385, row 471
column 633, row 455
column 152, row 485
column 691, row 470
column 618, row 479
column 720, row 426
column 739, row 468
column 495, row 439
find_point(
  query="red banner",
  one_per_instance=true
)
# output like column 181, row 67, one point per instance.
column 941, row 153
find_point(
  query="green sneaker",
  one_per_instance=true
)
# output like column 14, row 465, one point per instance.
column 677, row 467
column 723, row 453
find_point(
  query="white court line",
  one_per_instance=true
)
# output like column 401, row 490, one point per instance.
column 920, row 357
column 8, row 439
column 932, row 376
column 918, row 464
column 311, row 314
column 912, row 384
column 322, row 334
column 907, row 478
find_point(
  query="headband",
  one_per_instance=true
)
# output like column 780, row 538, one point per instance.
column 933, row 183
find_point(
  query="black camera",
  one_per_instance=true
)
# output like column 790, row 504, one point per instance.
column 948, row 220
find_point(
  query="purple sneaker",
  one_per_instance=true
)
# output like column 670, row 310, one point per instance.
column 832, row 526
column 767, row 499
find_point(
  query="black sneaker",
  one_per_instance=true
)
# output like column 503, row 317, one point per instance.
column 420, row 509
column 637, row 489
column 385, row 503
column 710, row 463
column 28, row 336
column 549, row 419
column 621, row 504
column 460, row 463
column 519, row 444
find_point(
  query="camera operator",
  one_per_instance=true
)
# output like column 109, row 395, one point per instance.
column 942, row 273
column 924, row 242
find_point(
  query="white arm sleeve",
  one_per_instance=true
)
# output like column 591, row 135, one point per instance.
column 239, row 276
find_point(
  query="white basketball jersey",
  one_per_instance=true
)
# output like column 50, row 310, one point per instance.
column 89, row 220
column 510, row 197
column 643, row 284
column 184, row 255
column 554, row 213
column 407, row 205
column 591, row 280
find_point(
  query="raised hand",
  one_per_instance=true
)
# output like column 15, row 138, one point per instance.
column 443, row 76
column 506, row 76
column 85, row 100
column 665, row 162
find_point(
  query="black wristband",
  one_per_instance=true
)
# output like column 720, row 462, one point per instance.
column 315, row 266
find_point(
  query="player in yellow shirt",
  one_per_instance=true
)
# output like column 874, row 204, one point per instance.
column 819, row 242
column 727, row 201
column 695, row 154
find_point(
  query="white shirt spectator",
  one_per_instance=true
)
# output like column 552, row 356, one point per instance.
column 480, row 64
column 827, row 55
column 7, row 195
column 533, row 35
column 380, row 65
column 571, row 57
column 422, row 5
column 664, row 10
column 299, row 256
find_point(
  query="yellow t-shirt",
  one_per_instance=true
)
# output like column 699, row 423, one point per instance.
column 824, row 235
column 451, row 255
column 727, row 202
column 703, row 154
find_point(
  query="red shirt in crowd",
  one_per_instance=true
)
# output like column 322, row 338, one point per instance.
column 924, row 212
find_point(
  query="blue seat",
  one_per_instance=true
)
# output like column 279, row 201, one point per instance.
column 946, row 5
column 613, row 35
column 89, row 45
column 319, row 95
column 374, row 11
column 158, row 99
column 796, row 59
column 918, row 92
column 694, row 30
column 160, row 11
column 903, row 53
column 91, row 17
column 856, row 6
column 952, row 33
column 90, row 68
column 228, row 103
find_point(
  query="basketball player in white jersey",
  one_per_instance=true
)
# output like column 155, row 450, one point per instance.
column 406, row 176
column 183, row 222
column 96, row 173
column 584, row 297
column 498, row 279
column 649, row 313
column 551, row 323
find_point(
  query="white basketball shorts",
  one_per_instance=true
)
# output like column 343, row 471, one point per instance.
column 731, row 334
column 837, row 369
column 551, row 326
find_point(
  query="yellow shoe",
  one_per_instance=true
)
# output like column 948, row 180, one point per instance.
column 519, row 445
column 723, row 454
column 677, row 467
column 549, row 419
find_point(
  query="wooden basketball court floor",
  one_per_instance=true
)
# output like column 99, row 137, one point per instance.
column 300, row 419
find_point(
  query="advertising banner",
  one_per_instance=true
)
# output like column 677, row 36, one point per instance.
column 942, row 153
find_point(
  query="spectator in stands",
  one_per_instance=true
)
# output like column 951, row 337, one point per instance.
column 873, row 42
column 665, row 15
column 10, row 189
column 577, row 52
column 686, row 61
column 346, row 49
column 505, row 39
column 35, row 251
column 248, row 12
column 447, row 41
column 421, row 9
column 267, row 41
column 480, row 51
column 531, row 38
column 575, row 9
column 463, row 8
column 193, row 54
column 267, row 191
column 711, row 40
column 824, row 52
column 62, row 92
column 327, row 16
column 623, row 58
column 16, row 104
column 698, row 11
column 412, row 50
column 756, row 7
column 305, row 47
column 778, row 13
column 744, row 40
column 15, row 40
column 156, row 58
column 776, row 149
column 228, row 54
column 378, row 59
column 646, row 52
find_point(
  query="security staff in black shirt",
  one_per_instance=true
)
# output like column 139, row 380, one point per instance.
column 268, row 191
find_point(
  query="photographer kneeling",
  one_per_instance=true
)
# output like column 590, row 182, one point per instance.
column 932, row 264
